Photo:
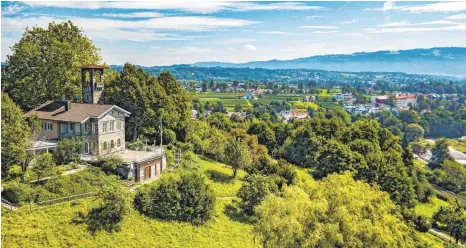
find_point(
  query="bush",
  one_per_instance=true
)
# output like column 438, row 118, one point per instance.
column 110, row 164
column 184, row 197
column 254, row 190
column 110, row 213
column 422, row 224
column 16, row 192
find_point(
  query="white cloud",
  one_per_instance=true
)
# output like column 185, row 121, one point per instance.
column 12, row 9
column 312, row 17
column 319, row 27
column 456, row 17
column 197, row 7
column 459, row 27
column 250, row 47
column 146, row 27
column 324, row 32
column 188, row 50
column 442, row 7
column 236, row 41
column 273, row 32
column 134, row 15
column 352, row 21
column 406, row 23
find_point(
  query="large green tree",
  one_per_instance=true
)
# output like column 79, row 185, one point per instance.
column 335, row 212
column 15, row 134
column 150, row 100
column 237, row 154
column 44, row 64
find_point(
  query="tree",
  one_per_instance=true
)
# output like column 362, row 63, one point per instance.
column 412, row 133
column 237, row 155
column 334, row 156
column 439, row 154
column 43, row 165
column 69, row 150
column 264, row 133
column 452, row 216
column 110, row 213
column 44, row 64
column 184, row 197
column 409, row 116
column 15, row 134
column 150, row 100
column 254, row 190
column 331, row 213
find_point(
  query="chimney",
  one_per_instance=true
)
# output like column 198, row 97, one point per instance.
column 67, row 105
column 66, row 102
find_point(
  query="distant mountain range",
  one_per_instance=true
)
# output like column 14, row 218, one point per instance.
column 440, row 61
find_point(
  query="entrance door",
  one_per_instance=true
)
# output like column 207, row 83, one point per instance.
column 147, row 172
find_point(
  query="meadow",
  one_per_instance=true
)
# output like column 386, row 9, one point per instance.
column 55, row 226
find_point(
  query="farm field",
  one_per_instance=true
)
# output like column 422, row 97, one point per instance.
column 54, row 226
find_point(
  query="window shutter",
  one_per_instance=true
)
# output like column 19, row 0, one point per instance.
column 51, row 126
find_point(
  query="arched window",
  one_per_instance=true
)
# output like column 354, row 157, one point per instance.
column 95, row 147
column 118, row 142
column 104, row 146
column 86, row 148
column 98, row 77
column 112, row 144
column 87, row 76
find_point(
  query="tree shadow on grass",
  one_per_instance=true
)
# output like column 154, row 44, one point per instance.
column 219, row 177
column 234, row 213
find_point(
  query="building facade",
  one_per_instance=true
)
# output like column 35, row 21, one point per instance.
column 101, row 126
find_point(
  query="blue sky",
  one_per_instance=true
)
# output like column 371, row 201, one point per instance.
column 176, row 32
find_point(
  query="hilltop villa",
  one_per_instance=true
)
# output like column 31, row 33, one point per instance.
column 101, row 127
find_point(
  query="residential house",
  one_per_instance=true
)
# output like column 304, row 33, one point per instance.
column 309, row 98
column 403, row 99
column 101, row 126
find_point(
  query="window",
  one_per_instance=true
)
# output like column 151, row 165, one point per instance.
column 104, row 127
column 98, row 77
column 118, row 125
column 48, row 126
column 118, row 142
column 63, row 127
column 112, row 126
column 112, row 144
column 86, row 127
column 87, row 76
column 71, row 127
column 86, row 148
column 104, row 146
column 94, row 127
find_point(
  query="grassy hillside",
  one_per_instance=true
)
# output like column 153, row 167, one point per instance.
column 54, row 227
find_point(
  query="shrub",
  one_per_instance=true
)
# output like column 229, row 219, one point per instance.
column 254, row 190
column 184, row 197
column 16, row 192
column 110, row 164
column 422, row 224
column 110, row 213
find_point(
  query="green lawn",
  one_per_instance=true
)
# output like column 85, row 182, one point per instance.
column 53, row 226
column 428, row 209
column 304, row 105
